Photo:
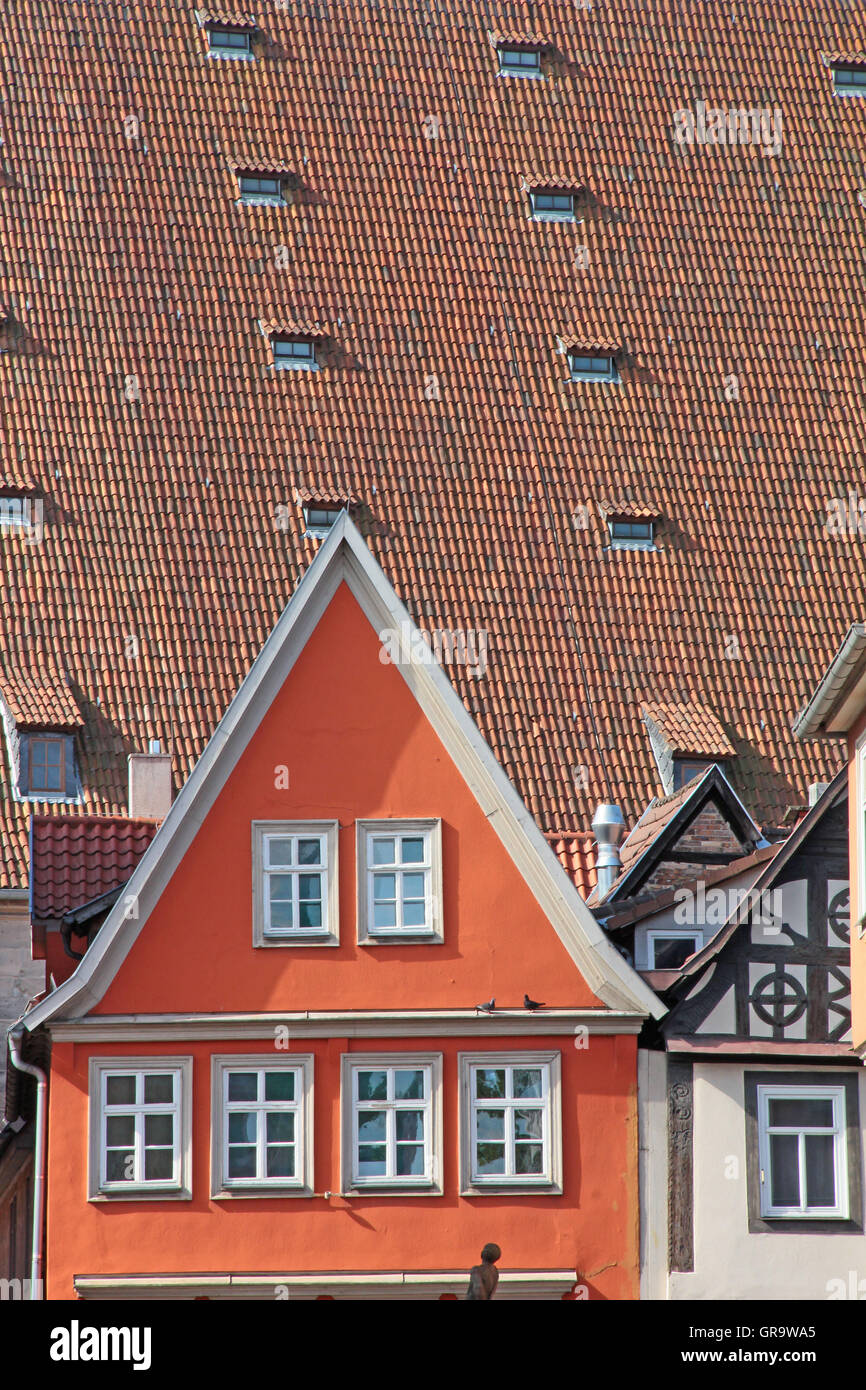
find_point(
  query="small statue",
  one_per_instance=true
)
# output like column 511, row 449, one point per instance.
column 483, row 1278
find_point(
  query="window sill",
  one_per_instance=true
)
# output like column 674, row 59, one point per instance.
column 522, row 73
column 544, row 1188
column 295, row 366
column 805, row 1225
column 231, row 57
column 554, row 217
column 427, row 938
column 265, row 201
column 244, row 1194
column 314, row 939
column 143, row 1194
column 426, row 1189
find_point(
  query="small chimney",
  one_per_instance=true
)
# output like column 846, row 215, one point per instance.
column 609, row 828
column 816, row 791
column 149, row 784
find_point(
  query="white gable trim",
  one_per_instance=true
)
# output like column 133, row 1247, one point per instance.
column 344, row 556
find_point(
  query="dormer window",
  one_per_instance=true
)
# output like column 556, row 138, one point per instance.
column 319, row 517
column 626, row 533
column 589, row 367
column 229, row 41
column 522, row 61
column 687, row 769
column 261, row 188
column 849, row 80
column 295, row 352
column 548, row 205
column 40, row 716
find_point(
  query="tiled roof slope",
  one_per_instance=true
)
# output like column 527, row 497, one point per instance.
column 576, row 853
column 140, row 396
column 78, row 858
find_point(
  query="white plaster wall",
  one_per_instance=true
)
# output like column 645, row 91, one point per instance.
column 653, row 1173
column 731, row 1263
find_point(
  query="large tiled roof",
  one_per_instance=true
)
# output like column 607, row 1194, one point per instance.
column 78, row 858
column 138, row 393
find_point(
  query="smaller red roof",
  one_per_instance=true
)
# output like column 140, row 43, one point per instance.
column 75, row 859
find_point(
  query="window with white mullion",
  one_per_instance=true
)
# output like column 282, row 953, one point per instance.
column 803, row 1152
column 295, row 869
column 510, row 1126
column 262, row 1125
column 400, row 876
column 391, row 1124
column 140, row 1128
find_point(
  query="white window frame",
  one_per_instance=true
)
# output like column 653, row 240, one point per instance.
column 538, row 214
column 694, row 934
column 609, row 374
column 506, row 69
column 860, row 793
column 308, row 363
column 242, row 52
column 550, row 1180
column 301, row 1185
column 431, row 831
column 318, row 530
column 845, row 87
column 621, row 542
column 329, row 933
column 840, row 1150
column 179, row 1186
column 257, row 198
column 431, row 1182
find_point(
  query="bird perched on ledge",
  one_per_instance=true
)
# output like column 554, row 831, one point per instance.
column 531, row 1004
column 488, row 1007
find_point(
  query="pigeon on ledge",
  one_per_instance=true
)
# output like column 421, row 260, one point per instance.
column 531, row 1004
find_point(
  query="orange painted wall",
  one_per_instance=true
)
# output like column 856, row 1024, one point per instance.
column 858, row 896
column 356, row 746
column 592, row 1227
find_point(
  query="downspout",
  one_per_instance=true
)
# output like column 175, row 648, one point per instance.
column 39, row 1148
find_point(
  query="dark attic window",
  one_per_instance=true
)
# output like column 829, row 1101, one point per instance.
column 687, row 769
column 590, row 367
column 261, row 188
column 849, row 80
column 46, row 766
column 552, row 206
column 319, row 517
column 292, row 352
column 229, row 41
column 519, row 62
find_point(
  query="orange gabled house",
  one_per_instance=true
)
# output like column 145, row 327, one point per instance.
column 269, row 1073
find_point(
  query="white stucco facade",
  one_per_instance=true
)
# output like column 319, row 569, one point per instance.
column 730, row 1261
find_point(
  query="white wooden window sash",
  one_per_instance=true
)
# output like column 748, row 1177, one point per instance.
column 405, row 872
column 138, row 1120
column 283, row 1139
column 801, row 1132
column 379, row 1135
column 504, row 1123
column 288, row 883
